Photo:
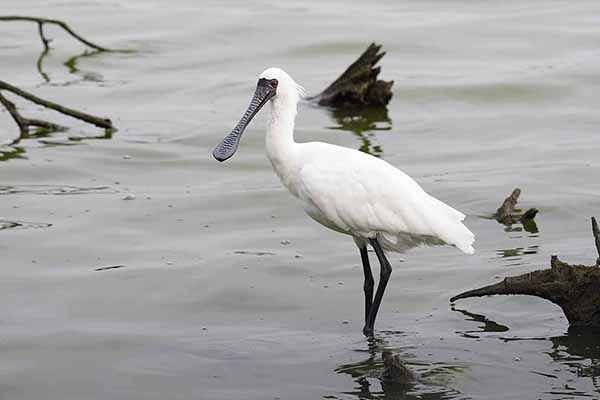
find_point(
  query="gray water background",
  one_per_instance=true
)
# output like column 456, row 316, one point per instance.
column 228, row 290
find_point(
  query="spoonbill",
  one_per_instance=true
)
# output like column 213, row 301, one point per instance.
column 347, row 190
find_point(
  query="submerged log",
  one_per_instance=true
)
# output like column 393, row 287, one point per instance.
column 394, row 370
column 575, row 288
column 358, row 85
column 507, row 214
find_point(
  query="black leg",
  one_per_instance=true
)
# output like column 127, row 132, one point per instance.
column 384, row 276
column 369, row 282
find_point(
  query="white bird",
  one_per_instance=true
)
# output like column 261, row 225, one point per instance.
column 347, row 190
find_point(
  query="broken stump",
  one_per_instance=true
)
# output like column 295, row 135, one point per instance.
column 575, row 288
column 507, row 214
column 358, row 86
column 394, row 370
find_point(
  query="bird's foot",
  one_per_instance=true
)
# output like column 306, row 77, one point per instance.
column 368, row 331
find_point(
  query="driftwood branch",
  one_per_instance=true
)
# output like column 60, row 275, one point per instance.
column 596, row 233
column 25, row 123
column 41, row 21
column 358, row 85
column 507, row 214
column 573, row 287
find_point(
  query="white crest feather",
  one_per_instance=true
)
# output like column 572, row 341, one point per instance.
column 301, row 91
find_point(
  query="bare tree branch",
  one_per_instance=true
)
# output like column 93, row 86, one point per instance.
column 25, row 123
column 596, row 233
column 45, row 41
column 63, row 25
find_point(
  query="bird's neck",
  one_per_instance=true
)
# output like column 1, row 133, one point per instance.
column 280, row 144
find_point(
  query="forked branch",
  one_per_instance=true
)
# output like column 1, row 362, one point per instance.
column 25, row 123
column 41, row 21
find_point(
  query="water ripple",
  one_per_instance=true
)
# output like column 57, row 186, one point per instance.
column 54, row 189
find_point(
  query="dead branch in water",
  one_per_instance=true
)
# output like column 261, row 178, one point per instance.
column 572, row 287
column 596, row 234
column 41, row 21
column 506, row 213
column 25, row 123
column 395, row 371
column 358, row 85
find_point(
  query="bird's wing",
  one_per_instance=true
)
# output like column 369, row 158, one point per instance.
column 364, row 195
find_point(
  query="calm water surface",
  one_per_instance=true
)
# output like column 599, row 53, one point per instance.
column 227, row 290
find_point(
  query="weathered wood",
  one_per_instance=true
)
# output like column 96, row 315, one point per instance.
column 507, row 214
column 596, row 233
column 25, row 123
column 572, row 287
column 394, row 370
column 358, row 85
column 41, row 21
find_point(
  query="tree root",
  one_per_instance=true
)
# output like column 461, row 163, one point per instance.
column 358, row 85
column 25, row 123
column 572, row 287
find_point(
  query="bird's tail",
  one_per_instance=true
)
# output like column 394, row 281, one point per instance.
column 450, row 228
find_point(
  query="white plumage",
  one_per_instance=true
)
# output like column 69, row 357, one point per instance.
column 353, row 192
column 349, row 191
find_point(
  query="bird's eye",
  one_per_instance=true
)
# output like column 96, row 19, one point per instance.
column 274, row 82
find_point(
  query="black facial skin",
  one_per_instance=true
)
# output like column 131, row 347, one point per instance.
column 265, row 90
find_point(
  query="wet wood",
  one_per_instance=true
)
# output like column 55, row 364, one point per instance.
column 596, row 234
column 572, row 287
column 42, row 21
column 507, row 214
column 25, row 123
column 394, row 370
column 109, row 267
column 358, row 86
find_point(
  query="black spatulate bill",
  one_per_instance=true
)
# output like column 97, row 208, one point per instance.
column 265, row 89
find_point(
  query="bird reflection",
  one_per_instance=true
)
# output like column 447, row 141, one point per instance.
column 362, row 123
column 384, row 375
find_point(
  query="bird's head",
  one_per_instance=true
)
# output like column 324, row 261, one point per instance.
column 275, row 85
